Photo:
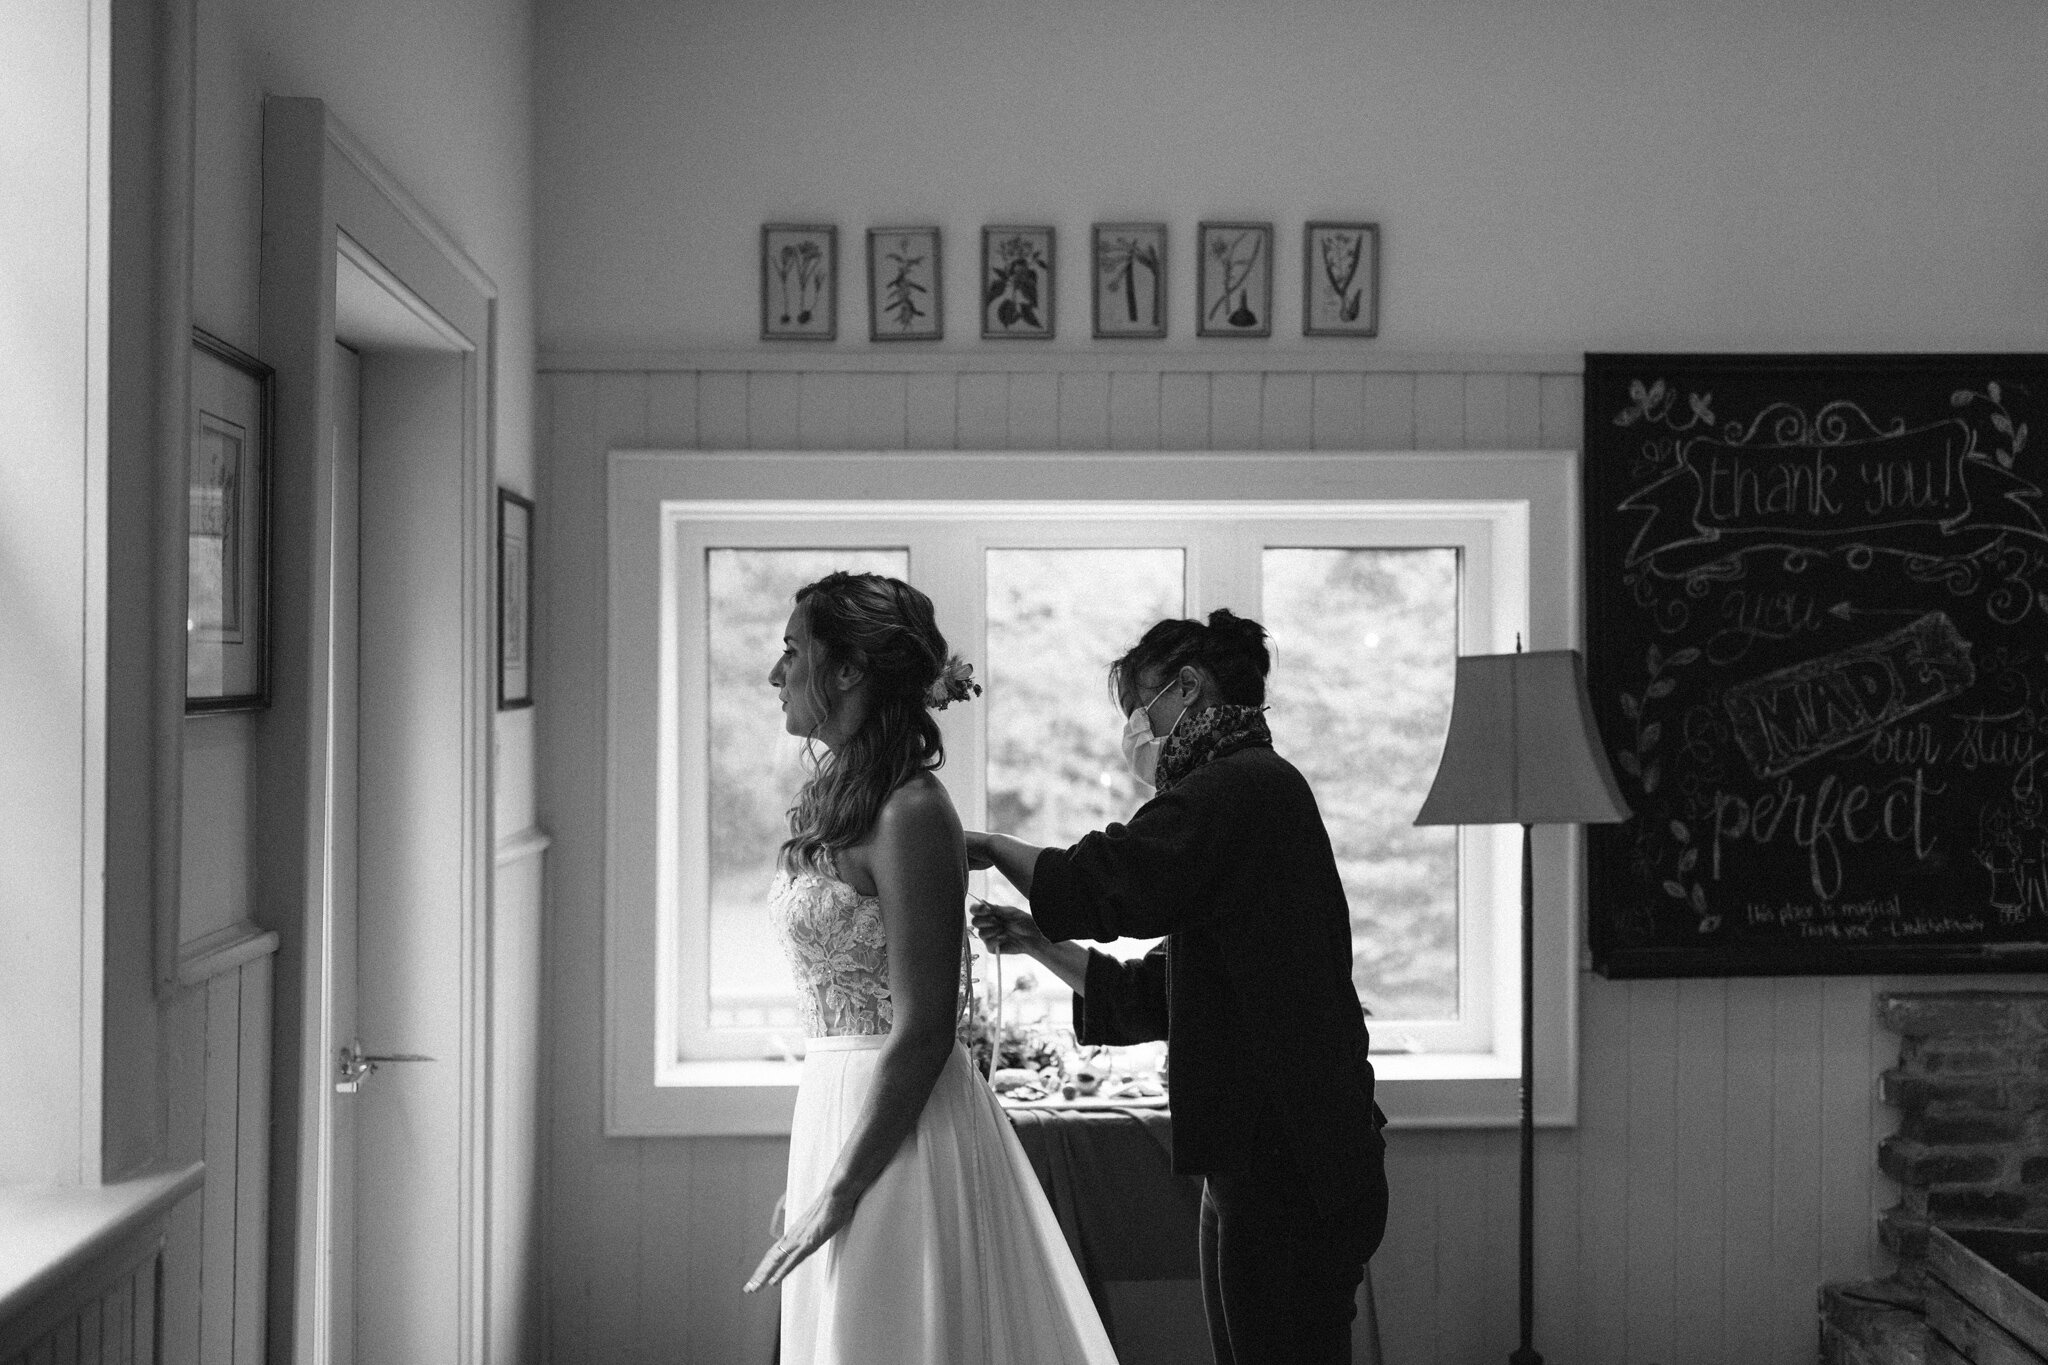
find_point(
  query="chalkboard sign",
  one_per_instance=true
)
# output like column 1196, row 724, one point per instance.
column 1817, row 649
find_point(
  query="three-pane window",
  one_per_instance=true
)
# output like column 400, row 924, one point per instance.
column 1367, row 607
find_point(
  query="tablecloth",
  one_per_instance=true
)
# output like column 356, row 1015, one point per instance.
column 1108, row 1173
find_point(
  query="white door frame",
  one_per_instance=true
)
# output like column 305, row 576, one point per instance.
column 323, row 196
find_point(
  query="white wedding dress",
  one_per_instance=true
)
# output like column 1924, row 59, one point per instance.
column 953, row 1256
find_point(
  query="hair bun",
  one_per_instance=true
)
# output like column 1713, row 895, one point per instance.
column 954, row 683
column 1229, row 622
column 1239, row 635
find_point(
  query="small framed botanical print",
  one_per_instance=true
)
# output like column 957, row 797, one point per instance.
column 799, row 282
column 904, row 301
column 227, row 531
column 1017, row 282
column 1340, row 280
column 1130, row 280
column 1234, row 270
column 515, row 601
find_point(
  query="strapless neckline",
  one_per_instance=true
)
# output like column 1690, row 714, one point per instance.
column 832, row 878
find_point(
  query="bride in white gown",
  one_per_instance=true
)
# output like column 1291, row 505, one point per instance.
column 917, row 1233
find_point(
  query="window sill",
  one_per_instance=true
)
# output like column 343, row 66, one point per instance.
column 757, row 1099
column 48, row 1232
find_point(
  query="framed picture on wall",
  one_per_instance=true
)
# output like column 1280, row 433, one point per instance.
column 799, row 282
column 1340, row 280
column 227, row 532
column 515, row 601
column 1234, row 280
column 1129, row 290
column 1017, row 282
column 904, row 284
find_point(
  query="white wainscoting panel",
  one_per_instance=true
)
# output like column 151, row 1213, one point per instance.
column 114, row 1325
column 82, row 1268
column 217, row 1250
column 512, row 1310
column 1724, row 1164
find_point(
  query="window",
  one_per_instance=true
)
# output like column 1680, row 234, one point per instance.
column 1368, row 594
column 1368, row 637
column 1052, row 767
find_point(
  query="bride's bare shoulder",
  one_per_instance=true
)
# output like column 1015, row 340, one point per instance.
column 919, row 808
column 917, row 819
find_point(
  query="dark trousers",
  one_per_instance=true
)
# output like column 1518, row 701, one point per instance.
column 1279, row 1278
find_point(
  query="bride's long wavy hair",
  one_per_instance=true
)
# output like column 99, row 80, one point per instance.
column 886, row 629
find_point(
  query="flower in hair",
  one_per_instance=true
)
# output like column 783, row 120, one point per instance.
column 954, row 683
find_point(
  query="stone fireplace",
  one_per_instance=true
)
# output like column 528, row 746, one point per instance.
column 1971, row 1088
column 1970, row 1157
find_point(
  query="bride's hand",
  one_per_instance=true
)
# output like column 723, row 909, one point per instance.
column 1005, row 928
column 978, row 857
column 819, row 1224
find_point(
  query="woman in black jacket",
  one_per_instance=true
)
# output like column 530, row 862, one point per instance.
column 1272, row 1089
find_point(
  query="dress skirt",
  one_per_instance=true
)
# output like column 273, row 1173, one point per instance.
column 953, row 1256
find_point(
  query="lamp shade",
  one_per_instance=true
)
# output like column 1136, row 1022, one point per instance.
column 1522, row 749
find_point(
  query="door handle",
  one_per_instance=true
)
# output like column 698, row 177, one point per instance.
column 355, row 1065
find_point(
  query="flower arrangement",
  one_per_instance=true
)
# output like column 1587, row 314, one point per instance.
column 1038, row 1062
column 1027, row 1047
column 954, row 683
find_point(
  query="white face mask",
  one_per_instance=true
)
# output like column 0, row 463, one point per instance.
column 1141, row 747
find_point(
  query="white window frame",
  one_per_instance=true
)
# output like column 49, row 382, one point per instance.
column 1519, row 508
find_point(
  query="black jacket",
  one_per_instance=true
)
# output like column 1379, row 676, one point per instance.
column 1252, row 986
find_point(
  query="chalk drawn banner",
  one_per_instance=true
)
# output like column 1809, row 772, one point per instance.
column 1817, row 647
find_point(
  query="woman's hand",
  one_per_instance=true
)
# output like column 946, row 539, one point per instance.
column 1007, row 929
column 819, row 1224
column 978, row 855
column 775, row 1219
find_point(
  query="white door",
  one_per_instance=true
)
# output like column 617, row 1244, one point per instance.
column 397, row 1269
column 379, row 739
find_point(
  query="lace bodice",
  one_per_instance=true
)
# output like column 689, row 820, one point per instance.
column 833, row 937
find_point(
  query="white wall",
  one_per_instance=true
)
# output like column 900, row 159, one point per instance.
column 439, row 94
column 53, row 470
column 1575, row 175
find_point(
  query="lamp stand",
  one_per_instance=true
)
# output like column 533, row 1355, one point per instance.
column 1527, row 1354
column 1498, row 771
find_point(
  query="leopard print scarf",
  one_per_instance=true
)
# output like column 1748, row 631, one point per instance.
column 1196, row 740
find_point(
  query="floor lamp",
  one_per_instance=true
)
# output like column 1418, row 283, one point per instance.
column 1522, row 750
